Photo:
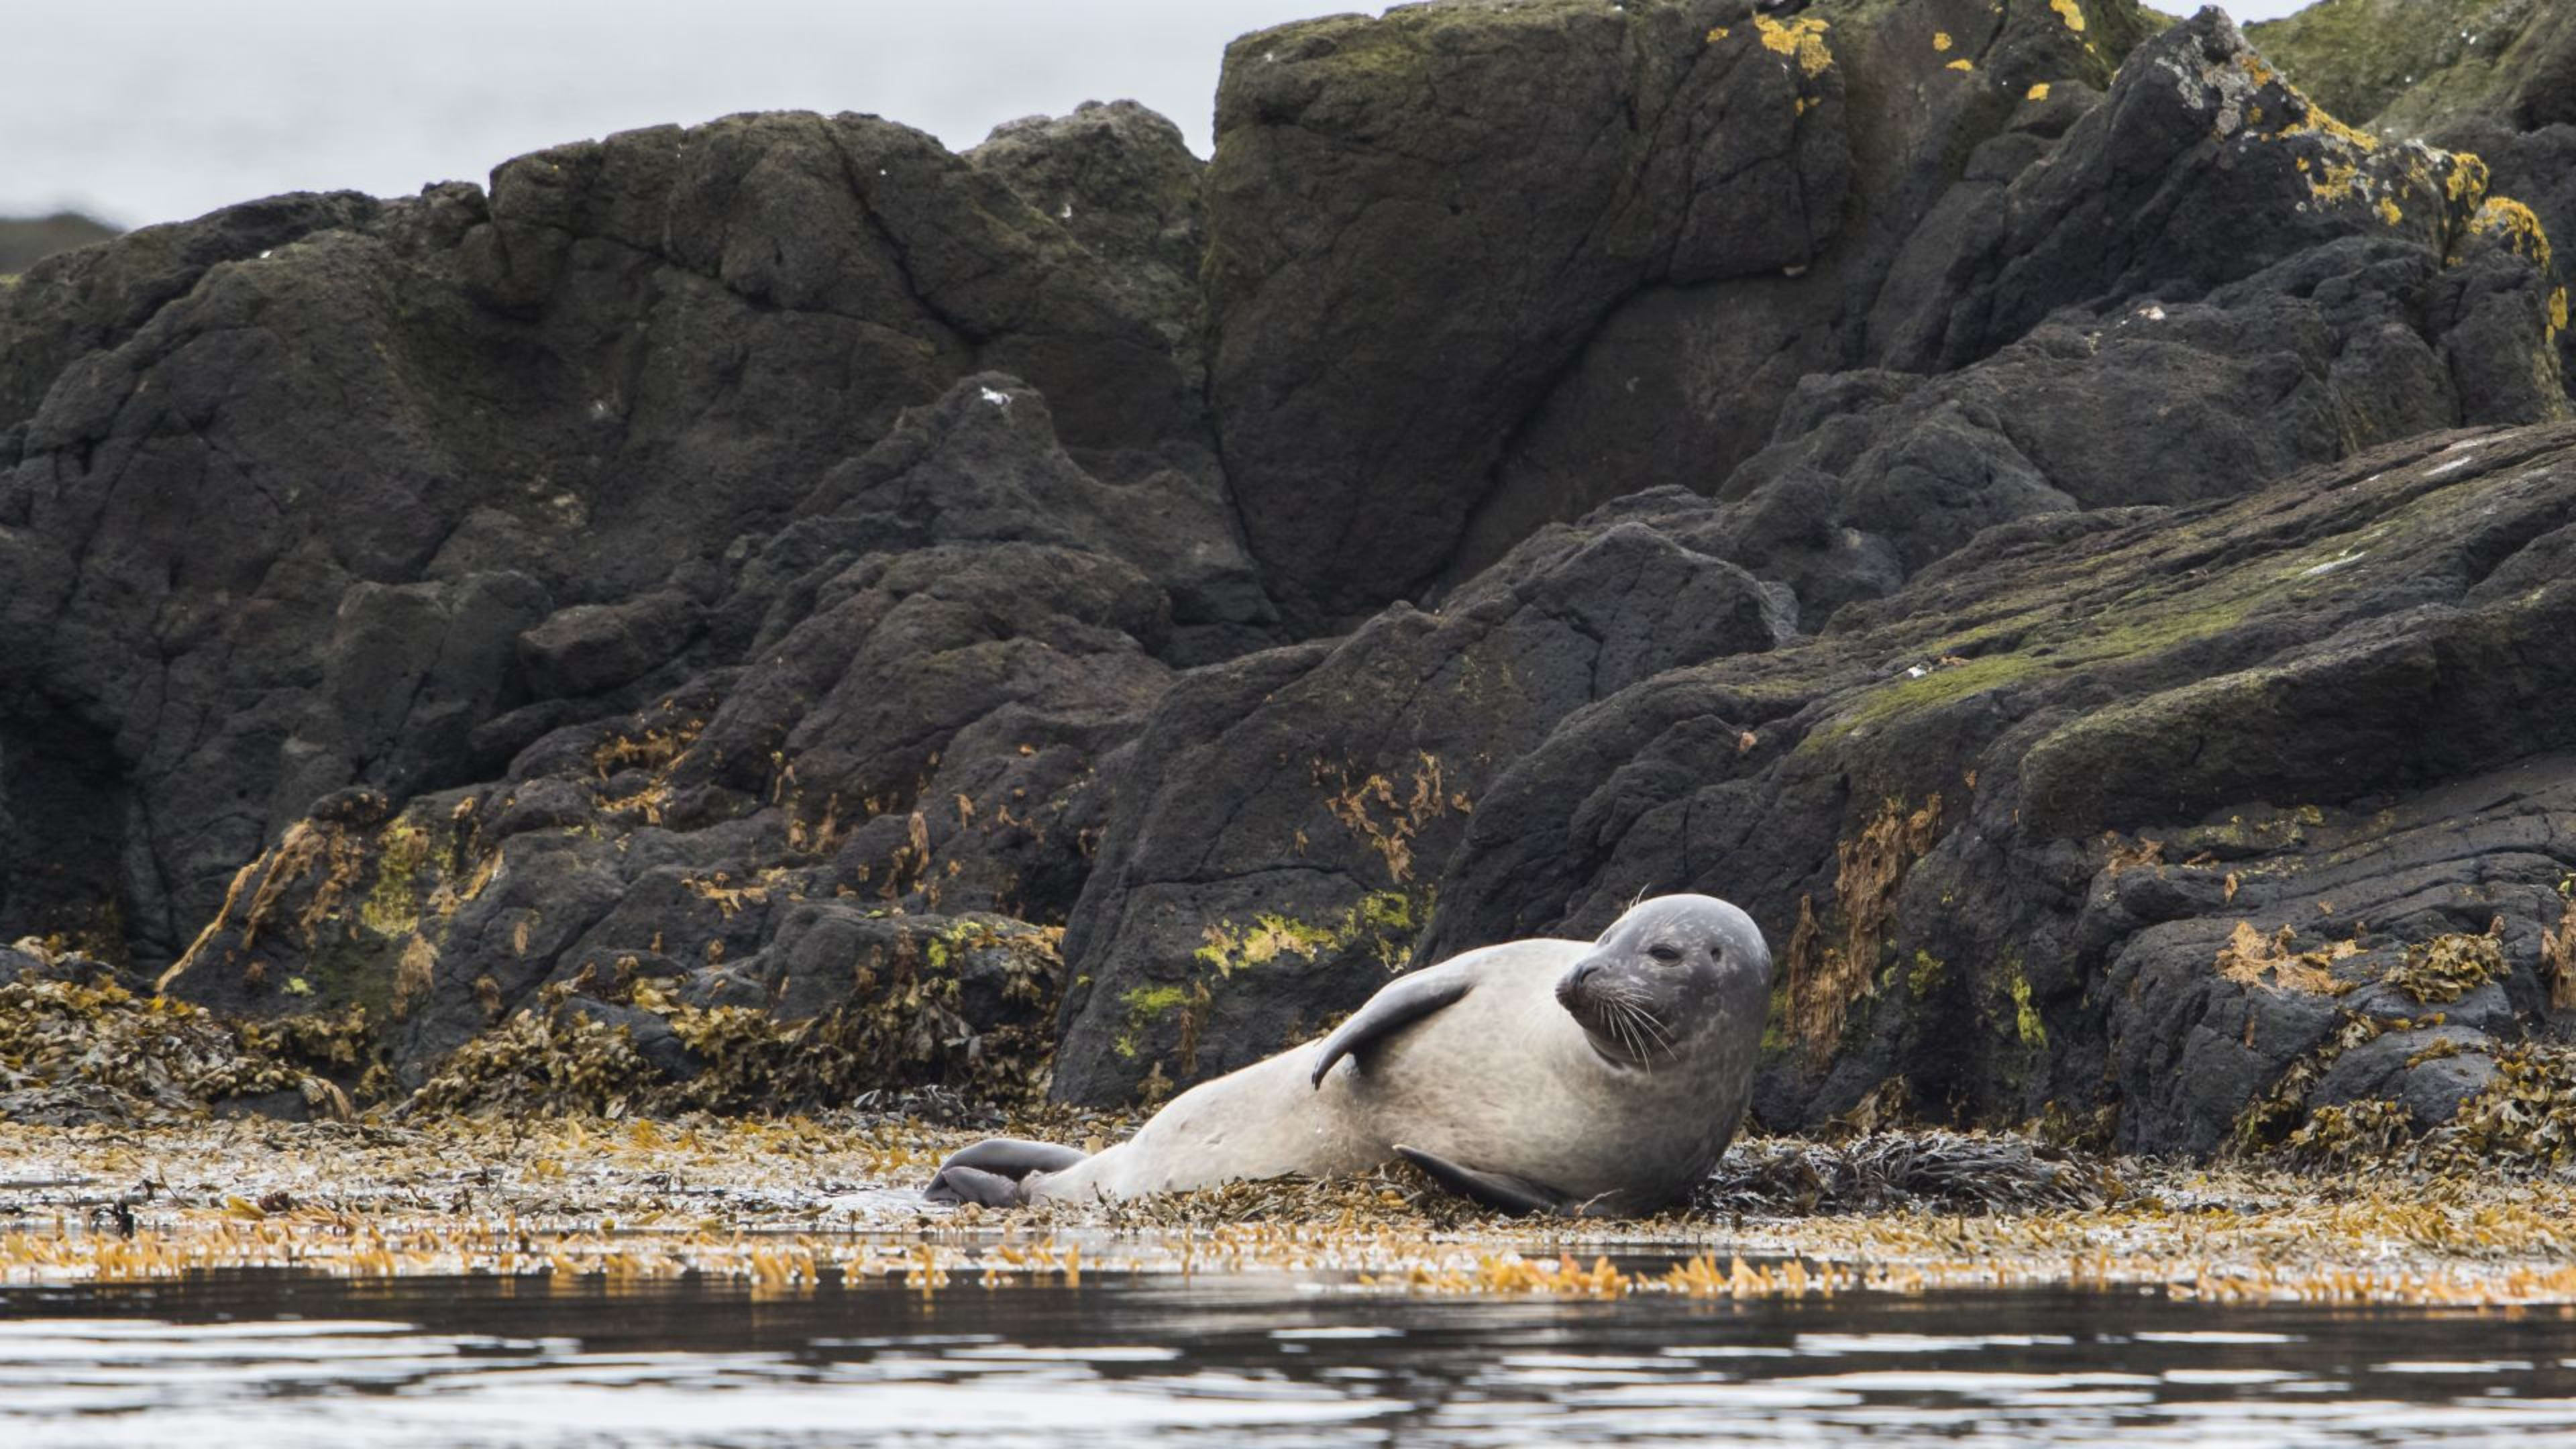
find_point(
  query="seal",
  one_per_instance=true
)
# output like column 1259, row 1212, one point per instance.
column 1596, row 1078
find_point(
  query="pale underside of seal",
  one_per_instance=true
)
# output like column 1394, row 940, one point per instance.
column 1480, row 1070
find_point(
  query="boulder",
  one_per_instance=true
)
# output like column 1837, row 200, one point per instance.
column 2111, row 807
column 1282, row 825
column 324, row 491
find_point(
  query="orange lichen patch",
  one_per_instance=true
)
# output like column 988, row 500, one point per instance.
column 1802, row 40
column 2252, row 959
column 651, row 750
column 2389, row 212
column 1825, row 978
column 2070, row 12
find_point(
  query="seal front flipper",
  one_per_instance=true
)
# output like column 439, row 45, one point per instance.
column 1397, row 1005
column 990, row 1171
column 1493, row 1189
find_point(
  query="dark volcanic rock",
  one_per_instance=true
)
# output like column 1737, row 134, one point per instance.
column 1124, row 184
column 1416, row 221
column 307, row 493
column 2149, row 194
column 592, row 648
column 938, row 653
column 1874, row 475
column 1731, row 223
column 2003, row 827
column 1283, row 823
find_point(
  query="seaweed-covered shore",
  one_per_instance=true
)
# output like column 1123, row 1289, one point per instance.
column 147, row 1137
column 790, row 1202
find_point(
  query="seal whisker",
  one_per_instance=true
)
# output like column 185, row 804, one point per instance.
column 1632, row 1019
column 1654, row 1023
column 1615, row 1016
column 1628, row 1004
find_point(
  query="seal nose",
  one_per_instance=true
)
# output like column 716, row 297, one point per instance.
column 1572, row 986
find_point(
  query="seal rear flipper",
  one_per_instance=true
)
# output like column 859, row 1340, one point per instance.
column 990, row 1171
column 971, row 1184
column 1493, row 1189
column 1014, row 1157
column 1397, row 1005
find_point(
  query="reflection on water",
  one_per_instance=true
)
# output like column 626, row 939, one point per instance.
column 276, row 1359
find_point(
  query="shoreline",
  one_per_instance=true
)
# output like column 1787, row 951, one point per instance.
column 797, row 1203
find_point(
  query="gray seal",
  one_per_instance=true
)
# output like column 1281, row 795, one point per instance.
column 1597, row 1078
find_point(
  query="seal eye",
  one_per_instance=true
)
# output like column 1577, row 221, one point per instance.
column 1665, row 954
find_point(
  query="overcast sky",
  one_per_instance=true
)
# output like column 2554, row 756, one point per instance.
column 152, row 110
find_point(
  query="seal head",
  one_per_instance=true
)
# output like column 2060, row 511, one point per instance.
column 1665, row 975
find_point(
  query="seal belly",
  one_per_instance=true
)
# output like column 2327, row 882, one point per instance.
column 1504, row 1081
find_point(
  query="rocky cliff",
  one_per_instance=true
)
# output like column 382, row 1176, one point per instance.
column 2064, row 530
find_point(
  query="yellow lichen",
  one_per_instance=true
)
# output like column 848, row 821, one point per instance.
column 2389, row 213
column 1940, row 40
column 1802, row 39
column 1716, row 33
column 2336, row 181
column 2467, row 183
column 2069, row 11
column 2512, row 223
column 2320, row 123
column 1961, row 64
column 2038, row 92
